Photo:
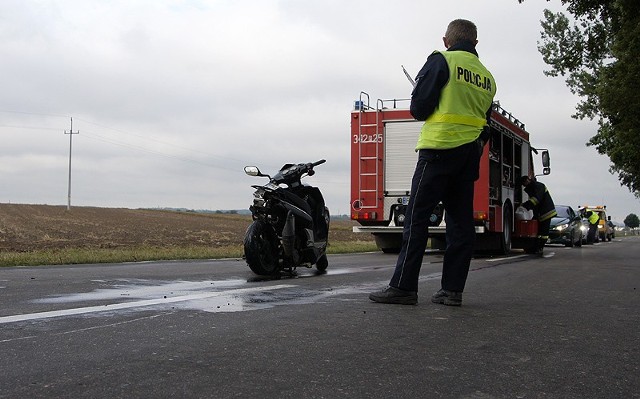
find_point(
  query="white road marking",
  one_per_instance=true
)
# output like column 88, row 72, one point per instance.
column 509, row 258
column 135, row 304
column 17, row 339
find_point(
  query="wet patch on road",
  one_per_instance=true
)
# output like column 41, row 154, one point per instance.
column 208, row 296
column 233, row 295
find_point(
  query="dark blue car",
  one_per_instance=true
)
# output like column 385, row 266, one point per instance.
column 566, row 228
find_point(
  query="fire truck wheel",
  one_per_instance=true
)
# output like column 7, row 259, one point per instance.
column 505, row 237
column 389, row 243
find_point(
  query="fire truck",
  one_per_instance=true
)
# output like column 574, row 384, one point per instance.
column 383, row 159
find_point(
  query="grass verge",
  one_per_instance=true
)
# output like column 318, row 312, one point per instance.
column 138, row 254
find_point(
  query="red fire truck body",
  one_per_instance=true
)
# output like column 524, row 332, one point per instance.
column 383, row 160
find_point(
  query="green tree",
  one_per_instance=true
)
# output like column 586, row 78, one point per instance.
column 598, row 54
column 632, row 220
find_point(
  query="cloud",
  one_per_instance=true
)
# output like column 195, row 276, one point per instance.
column 172, row 98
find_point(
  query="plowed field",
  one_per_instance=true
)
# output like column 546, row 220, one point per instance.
column 33, row 227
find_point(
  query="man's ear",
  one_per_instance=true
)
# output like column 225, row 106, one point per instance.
column 446, row 42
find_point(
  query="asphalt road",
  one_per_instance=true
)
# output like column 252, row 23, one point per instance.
column 563, row 326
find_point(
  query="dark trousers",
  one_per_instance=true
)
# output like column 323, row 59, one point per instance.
column 593, row 233
column 447, row 176
column 543, row 233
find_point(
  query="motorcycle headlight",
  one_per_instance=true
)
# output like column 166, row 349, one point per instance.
column 561, row 227
column 258, row 194
column 258, row 198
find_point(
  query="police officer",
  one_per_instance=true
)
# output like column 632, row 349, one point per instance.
column 593, row 218
column 453, row 95
column 541, row 203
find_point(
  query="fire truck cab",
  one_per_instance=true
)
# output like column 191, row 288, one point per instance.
column 383, row 159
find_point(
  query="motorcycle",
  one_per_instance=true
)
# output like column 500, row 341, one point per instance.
column 290, row 225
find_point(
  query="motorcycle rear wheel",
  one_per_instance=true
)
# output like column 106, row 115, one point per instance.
column 322, row 263
column 261, row 249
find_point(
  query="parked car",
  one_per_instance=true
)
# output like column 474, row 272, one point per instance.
column 566, row 228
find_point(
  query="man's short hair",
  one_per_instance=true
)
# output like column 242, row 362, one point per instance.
column 460, row 30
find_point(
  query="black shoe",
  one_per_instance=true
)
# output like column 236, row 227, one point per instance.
column 395, row 295
column 448, row 298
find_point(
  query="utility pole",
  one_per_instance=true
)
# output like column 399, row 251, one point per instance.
column 70, row 133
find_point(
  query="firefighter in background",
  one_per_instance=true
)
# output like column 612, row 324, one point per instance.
column 453, row 95
column 541, row 203
column 593, row 219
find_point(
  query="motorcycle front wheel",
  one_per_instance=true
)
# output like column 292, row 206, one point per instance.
column 322, row 263
column 261, row 248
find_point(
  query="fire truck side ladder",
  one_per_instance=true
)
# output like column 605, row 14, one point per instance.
column 363, row 131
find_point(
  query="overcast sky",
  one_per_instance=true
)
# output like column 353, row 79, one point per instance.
column 172, row 98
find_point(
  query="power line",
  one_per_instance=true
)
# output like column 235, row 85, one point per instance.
column 148, row 151
column 129, row 145
column 158, row 141
column 30, row 127
column 32, row 113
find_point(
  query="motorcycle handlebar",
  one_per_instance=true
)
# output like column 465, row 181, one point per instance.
column 291, row 173
column 311, row 165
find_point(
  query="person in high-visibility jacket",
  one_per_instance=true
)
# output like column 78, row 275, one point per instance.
column 593, row 219
column 541, row 203
column 453, row 95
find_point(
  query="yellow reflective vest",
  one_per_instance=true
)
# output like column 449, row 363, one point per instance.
column 594, row 217
column 461, row 113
